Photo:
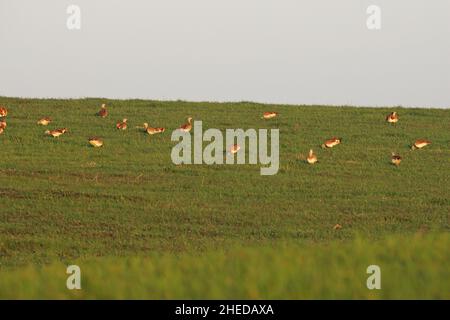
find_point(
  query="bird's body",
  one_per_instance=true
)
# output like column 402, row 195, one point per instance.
column 330, row 143
column 44, row 121
column 122, row 125
column 3, row 112
column 312, row 158
column 96, row 142
column 3, row 124
column 103, row 112
column 188, row 126
column 152, row 131
column 420, row 143
column 269, row 115
column 392, row 117
column 396, row 159
column 56, row 133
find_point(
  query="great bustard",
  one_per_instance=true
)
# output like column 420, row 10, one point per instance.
column 330, row 143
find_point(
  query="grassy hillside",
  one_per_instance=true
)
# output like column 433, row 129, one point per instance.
column 62, row 199
column 411, row 268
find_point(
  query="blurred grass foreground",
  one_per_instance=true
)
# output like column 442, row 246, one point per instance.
column 413, row 267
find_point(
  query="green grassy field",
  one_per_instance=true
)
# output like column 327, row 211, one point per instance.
column 411, row 268
column 63, row 200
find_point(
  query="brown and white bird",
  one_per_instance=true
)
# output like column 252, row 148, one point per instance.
column 392, row 117
column 396, row 159
column 96, row 142
column 56, row 133
column 103, row 112
column 312, row 158
column 122, row 125
column 269, row 115
column 420, row 143
column 187, row 127
column 235, row 148
column 152, row 131
column 330, row 143
column 3, row 112
column 44, row 121
column 3, row 124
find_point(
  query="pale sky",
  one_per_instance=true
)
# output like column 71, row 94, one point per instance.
column 273, row 51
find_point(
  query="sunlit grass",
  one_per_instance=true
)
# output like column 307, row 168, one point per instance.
column 411, row 268
column 62, row 199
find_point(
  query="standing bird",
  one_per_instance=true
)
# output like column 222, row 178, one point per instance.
column 269, row 115
column 103, row 112
column 188, row 126
column 44, row 121
column 122, row 125
column 232, row 150
column 330, row 143
column 96, row 142
column 56, row 133
column 235, row 148
column 392, row 117
column 396, row 159
column 312, row 158
column 3, row 112
column 151, row 130
column 420, row 143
